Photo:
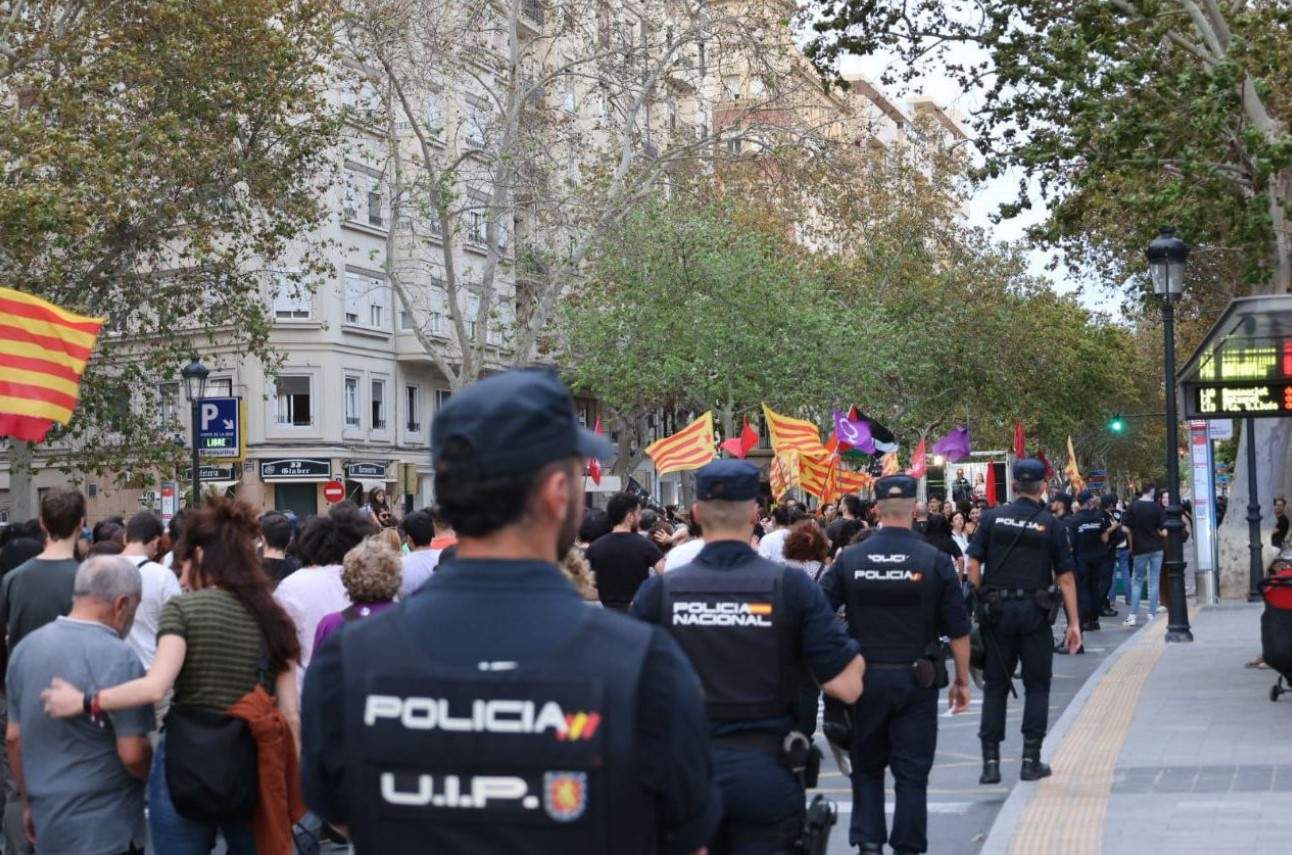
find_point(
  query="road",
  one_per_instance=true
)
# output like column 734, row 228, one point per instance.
column 960, row 810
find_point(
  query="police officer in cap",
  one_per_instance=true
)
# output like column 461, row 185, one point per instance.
column 494, row 711
column 900, row 595
column 1090, row 528
column 754, row 630
column 1016, row 557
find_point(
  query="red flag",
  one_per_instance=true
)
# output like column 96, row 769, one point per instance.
column 594, row 465
column 1049, row 470
column 1020, row 443
column 991, row 487
column 919, row 466
column 740, row 446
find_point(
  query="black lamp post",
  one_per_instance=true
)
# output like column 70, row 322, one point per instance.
column 1166, row 258
column 195, row 374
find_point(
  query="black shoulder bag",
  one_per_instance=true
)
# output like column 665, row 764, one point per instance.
column 211, row 760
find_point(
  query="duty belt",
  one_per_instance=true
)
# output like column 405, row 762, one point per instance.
column 768, row 743
column 1004, row 594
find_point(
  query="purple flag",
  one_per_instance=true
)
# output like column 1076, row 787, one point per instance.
column 954, row 446
column 853, row 432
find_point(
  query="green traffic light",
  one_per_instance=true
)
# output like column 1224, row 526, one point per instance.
column 1117, row 425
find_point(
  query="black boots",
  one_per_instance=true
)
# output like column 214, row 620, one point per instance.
column 1033, row 769
column 990, row 763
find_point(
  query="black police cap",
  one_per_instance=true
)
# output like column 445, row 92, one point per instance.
column 1029, row 471
column 510, row 423
column 896, row 487
column 1085, row 496
column 727, row 481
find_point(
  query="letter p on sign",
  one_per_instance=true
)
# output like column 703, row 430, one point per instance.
column 210, row 412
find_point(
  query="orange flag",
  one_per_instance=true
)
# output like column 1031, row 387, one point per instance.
column 689, row 448
column 891, row 466
column 1072, row 472
column 790, row 434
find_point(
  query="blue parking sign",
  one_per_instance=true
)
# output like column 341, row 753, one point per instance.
column 218, row 427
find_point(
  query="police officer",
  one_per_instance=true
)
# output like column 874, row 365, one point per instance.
column 750, row 627
column 1015, row 558
column 1090, row 528
column 494, row 711
column 900, row 594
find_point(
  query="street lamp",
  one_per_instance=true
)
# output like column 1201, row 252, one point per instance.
column 195, row 374
column 1167, row 255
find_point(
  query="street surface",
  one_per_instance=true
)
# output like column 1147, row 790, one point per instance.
column 960, row 810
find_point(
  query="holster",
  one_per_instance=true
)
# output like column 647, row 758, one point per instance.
column 936, row 656
column 987, row 608
column 819, row 819
column 802, row 758
column 1049, row 601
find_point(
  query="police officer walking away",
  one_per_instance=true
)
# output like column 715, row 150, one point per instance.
column 754, row 630
column 494, row 711
column 1090, row 530
column 900, row 595
column 1016, row 557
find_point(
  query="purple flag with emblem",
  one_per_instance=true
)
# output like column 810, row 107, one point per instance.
column 954, row 446
column 854, row 432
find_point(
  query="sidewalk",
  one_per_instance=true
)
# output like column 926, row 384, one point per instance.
column 1167, row 748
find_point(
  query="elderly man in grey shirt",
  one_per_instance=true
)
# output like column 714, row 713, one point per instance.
column 82, row 779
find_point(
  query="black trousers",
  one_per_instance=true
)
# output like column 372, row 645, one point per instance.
column 763, row 803
column 1090, row 596
column 895, row 726
column 1106, row 579
column 1021, row 635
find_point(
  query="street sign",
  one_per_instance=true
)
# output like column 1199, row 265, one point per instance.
column 365, row 470
column 1204, row 518
column 211, row 474
column 296, row 469
column 1221, row 429
column 218, row 423
column 168, row 493
column 333, row 491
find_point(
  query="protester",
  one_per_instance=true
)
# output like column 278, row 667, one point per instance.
column 772, row 546
column 622, row 560
column 579, row 572
column 316, row 590
column 921, row 517
column 213, row 646
column 379, row 508
column 18, row 543
column 1280, row 523
column 960, row 489
column 595, row 525
column 372, row 575
column 958, row 534
column 276, row 533
column 422, row 558
column 807, row 549
column 173, row 529
column 143, row 535
column 82, row 779
column 445, row 536
column 684, row 553
column 937, row 531
column 841, row 532
column 1144, row 521
column 979, row 488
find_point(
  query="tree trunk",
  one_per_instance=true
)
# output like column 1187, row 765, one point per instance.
column 1280, row 193
column 21, row 488
column 1273, row 444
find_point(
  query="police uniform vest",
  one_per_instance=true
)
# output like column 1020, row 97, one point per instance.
column 1026, row 564
column 892, row 591
column 536, row 758
column 1087, row 526
column 734, row 628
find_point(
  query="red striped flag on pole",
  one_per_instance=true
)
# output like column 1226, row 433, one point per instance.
column 789, row 434
column 43, row 353
column 689, row 448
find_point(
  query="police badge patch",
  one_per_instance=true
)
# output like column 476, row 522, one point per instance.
column 565, row 795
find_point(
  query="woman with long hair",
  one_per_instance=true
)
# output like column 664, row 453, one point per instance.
column 380, row 508
column 210, row 644
column 807, row 549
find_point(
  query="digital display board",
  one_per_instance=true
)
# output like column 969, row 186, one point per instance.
column 1249, row 361
column 1238, row 399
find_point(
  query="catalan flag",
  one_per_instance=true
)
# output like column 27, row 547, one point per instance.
column 890, row 464
column 827, row 480
column 1072, row 472
column 789, row 434
column 43, row 353
column 784, row 474
column 689, row 448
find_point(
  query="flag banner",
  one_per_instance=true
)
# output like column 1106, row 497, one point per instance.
column 992, row 498
column 1020, row 442
column 784, row 474
column 790, row 434
column 689, row 448
column 825, row 479
column 740, row 446
column 43, row 353
column 1049, row 469
column 954, row 446
column 885, row 440
column 853, row 433
column 1072, row 472
column 594, row 465
column 919, row 466
column 889, row 463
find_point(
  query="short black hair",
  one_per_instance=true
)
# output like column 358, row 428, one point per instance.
column 419, row 526
column 276, row 529
column 326, row 539
column 620, row 506
column 852, row 503
column 61, row 511
column 477, row 507
column 781, row 515
column 797, row 515
column 143, row 527
column 596, row 524
column 109, row 529
column 1148, row 487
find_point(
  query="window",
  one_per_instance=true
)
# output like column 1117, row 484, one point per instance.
column 476, row 226
column 434, row 117
column 374, row 209
column 363, row 197
column 734, row 145
column 476, row 122
column 291, row 299
column 294, row 402
column 405, row 319
column 219, row 387
column 378, row 404
column 731, row 87
column 374, row 315
column 351, row 401
column 366, row 300
column 412, row 398
column 569, row 98
column 441, row 398
column 168, row 404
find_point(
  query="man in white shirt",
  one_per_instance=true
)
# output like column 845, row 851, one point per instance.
column 143, row 538
column 772, row 546
column 420, row 563
column 683, row 554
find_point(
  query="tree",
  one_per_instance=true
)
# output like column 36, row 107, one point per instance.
column 161, row 160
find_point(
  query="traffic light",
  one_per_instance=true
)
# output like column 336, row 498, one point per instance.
column 1117, row 425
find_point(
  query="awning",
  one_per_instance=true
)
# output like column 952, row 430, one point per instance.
column 1243, row 367
column 370, row 484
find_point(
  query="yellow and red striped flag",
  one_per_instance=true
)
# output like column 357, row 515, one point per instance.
column 690, row 448
column 43, row 353
column 1074, row 474
column 890, row 464
column 784, row 474
column 789, row 434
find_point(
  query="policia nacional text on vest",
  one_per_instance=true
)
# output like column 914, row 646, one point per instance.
column 1020, row 562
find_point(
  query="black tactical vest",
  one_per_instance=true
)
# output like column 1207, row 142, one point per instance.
column 1027, row 565
column 540, row 758
column 1087, row 526
column 892, row 592
column 732, row 624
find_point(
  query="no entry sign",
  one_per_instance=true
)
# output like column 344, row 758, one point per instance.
column 334, row 491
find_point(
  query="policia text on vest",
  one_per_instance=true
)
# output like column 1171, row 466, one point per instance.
column 1020, row 563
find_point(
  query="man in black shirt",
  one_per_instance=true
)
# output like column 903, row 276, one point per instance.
column 961, row 490
column 276, row 532
column 843, row 530
column 623, row 559
column 1280, row 523
column 1145, row 520
column 1089, row 527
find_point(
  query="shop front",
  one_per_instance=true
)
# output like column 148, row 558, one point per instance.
column 296, row 482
